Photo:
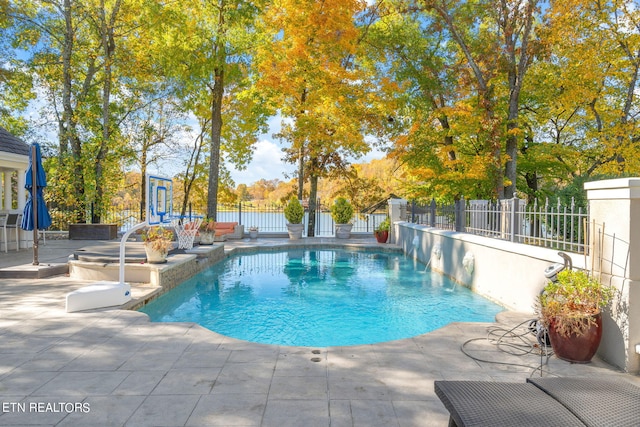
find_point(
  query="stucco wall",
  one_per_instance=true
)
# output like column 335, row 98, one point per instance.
column 511, row 274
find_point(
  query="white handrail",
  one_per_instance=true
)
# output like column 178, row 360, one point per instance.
column 123, row 242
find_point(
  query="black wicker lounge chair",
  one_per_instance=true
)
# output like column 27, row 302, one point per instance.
column 552, row 402
column 597, row 402
column 499, row 404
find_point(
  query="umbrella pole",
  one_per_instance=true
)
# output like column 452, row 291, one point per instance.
column 34, row 204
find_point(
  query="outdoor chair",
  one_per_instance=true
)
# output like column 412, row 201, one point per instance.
column 551, row 401
column 11, row 222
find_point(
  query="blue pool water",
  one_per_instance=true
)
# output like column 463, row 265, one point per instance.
column 320, row 298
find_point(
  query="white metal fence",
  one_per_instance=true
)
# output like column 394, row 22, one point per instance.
column 555, row 226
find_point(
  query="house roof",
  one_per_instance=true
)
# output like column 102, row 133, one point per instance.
column 11, row 144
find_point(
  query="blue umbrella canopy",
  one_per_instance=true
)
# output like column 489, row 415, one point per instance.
column 44, row 219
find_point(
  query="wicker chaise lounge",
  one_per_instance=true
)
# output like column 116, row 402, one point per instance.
column 597, row 402
column 500, row 404
column 541, row 402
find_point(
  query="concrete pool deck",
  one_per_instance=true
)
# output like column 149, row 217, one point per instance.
column 114, row 367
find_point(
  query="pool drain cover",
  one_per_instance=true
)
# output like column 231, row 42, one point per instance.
column 316, row 359
column 315, row 351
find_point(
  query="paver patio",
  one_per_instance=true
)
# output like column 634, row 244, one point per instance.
column 131, row 372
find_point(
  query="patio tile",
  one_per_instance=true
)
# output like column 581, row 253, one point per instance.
column 340, row 413
column 298, row 388
column 155, row 359
column 139, row 383
column 202, row 357
column 158, row 411
column 369, row 389
column 244, row 378
column 421, row 413
column 38, row 411
column 373, row 413
column 294, row 413
column 229, row 410
column 22, row 382
column 300, row 365
column 105, row 411
column 81, row 384
column 255, row 355
column 187, row 381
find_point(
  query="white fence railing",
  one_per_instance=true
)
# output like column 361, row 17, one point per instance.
column 553, row 226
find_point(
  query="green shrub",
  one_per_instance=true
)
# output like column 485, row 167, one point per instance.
column 342, row 211
column 294, row 212
column 571, row 302
column 384, row 225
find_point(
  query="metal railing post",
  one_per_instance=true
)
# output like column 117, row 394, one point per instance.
column 432, row 213
column 240, row 213
column 514, row 220
column 460, row 215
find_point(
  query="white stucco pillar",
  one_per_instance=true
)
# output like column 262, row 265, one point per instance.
column 2, row 177
column 614, row 233
column 22, row 192
column 397, row 212
column 7, row 190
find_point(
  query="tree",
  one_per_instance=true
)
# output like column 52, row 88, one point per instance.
column 308, row 70
column 211, row 69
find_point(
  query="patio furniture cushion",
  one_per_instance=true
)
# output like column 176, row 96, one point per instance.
column 501, row 404
column 596, row 401
column 229, row 229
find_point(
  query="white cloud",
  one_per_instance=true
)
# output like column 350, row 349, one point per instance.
column 267, row 164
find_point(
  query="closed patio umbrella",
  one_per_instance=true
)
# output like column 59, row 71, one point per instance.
column 35, row 180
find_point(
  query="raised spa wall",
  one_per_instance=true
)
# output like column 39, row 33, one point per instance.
column 512, row 274
column 176, row 270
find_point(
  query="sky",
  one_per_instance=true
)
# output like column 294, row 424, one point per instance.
column 267, row 160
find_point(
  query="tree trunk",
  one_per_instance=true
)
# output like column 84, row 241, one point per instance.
column 190, row 173
column 303, row 100
column 109, row 47
column 219, row 54
column 143, row 183
column 300, row 172
column 313, row 194
column 217, row 92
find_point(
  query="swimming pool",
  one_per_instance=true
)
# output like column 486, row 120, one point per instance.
column 320, row 298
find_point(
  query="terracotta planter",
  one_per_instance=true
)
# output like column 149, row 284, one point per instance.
column 154, row 256
column 381, row 236
column 577, row 349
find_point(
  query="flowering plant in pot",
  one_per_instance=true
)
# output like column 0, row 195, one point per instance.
column 157, row 242
column 342, row 213
column 294, row 213
column 571, row 310
column 207, row 231
column 382, row 231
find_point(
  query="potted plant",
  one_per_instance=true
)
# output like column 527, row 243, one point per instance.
column 294, row 213
column 342, row 213
column 382, row 231
column 207, row 231
column 253, row 232
column 570, row 308
column 157, row 242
